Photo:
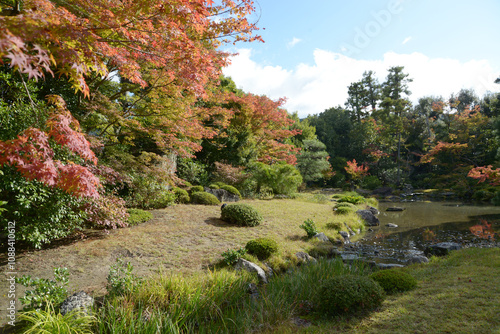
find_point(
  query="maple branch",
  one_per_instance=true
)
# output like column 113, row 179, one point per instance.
column 31, row 100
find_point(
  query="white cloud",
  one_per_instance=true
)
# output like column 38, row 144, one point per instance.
column 311, row 89
column 294, row 42
column 407, row 39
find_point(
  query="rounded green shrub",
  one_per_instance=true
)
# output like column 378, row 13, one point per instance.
column 213, row 186
column 393, row 281
column 231, row 190
column 196, row 189
column 262, row 247
column 219, row 184
column 204, row 198
column 345, row 204
column 137, row 216
column 343, row 210
column 352, row 199
column 181, row 196
column 241, row 214
column 349, row 294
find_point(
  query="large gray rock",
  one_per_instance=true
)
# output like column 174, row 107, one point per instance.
column 223, row 195
column 417, row 259
column 322, row 237
column 79, row 300
column 368, row 217
column 304, row 257
column 372, row 209
column 252, row 267
column 441, row 249
column 389, row 265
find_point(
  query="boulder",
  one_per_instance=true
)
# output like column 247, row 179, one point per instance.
column 389, row 265
column 252, row 267
column 345, row 235
column 441, row 249
column 417, row 259
column 372, row 209
column 79, row 300
column 304, row 257
column 368, row 217
column 321, row 237
column 395, row 208
column 222, row 195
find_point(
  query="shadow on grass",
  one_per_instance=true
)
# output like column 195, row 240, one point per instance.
column 297, row 237
column 23, row 247
column 217, row 222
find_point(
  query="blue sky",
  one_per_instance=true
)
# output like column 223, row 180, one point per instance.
column 314, row 49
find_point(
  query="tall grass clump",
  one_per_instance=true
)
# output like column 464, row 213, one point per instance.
column 48, row 320
column 201, row 303
column 300, row 287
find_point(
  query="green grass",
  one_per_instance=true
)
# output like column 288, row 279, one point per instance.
column 456, row 294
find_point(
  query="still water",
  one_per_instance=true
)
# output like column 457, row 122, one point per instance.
column 424, row 223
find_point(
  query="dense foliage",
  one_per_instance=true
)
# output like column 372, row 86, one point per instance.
column 262, row 247
column 204, row 198
column 241, row 214
column 392, row 280
column 349, row 294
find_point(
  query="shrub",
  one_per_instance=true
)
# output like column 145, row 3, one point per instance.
column 231, row 190
column 204, row 198
column 262, row 247
column 219, row 184
column 196, row 189
column 45, row 291
column 214, row 186
column 348, row 294
column 121, row 280
column 345, row 204
column 42, row 213
column 137, row 216
column 393, row 281
column 181, row 196
column 352, row 199
column 335, row 225
column 241, row 214
column 231, row 256
column 310, row 227
column 371, row 182
column 343, row 210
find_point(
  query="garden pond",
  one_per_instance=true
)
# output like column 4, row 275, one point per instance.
column 423, row 223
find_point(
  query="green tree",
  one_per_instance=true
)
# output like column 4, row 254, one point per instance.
column 312, row 160
column 394, row 107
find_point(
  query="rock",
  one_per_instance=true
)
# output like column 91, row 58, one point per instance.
column 368, row 217
column 321, row 237
column 349, row 229
column 345, row 235
column 252, row 267
column 441, row 249
column 79, row 300
column 395, row 209
column 389, row 265
column 253, row 291
column 222, row 195
column 304, row 257
column 417, row 259
column 391, row 225
column 348, row 257
column 372, row 209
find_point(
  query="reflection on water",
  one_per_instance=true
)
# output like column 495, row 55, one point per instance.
column 422, row 223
